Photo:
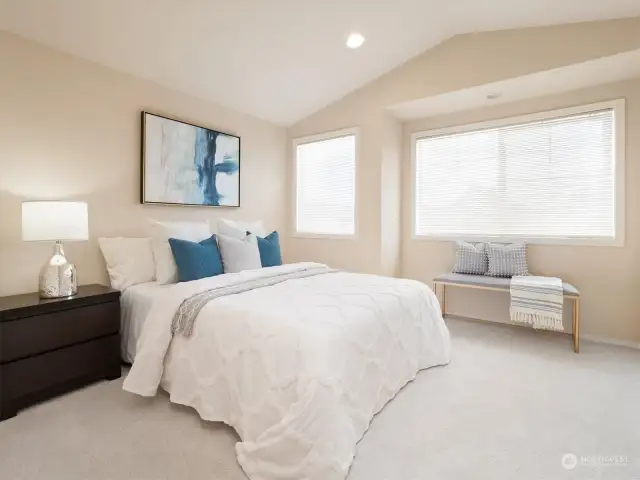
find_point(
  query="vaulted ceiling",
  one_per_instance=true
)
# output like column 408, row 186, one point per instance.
column 278, row 60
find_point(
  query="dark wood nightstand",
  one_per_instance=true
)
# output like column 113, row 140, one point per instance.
column 48, row 347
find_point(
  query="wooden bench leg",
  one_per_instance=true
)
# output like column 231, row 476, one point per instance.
column 576, row 325
column 442, row 297
column 443, row 305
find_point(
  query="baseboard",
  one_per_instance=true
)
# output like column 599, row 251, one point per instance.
column 506, row 323
column 583, row 336
column 610, row 341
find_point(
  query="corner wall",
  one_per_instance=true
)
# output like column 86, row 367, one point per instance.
column 70, row 129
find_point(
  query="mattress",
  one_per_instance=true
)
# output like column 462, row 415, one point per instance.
column 135, row 304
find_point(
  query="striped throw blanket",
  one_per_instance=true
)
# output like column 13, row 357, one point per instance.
column 186, row 315
column 537, row 301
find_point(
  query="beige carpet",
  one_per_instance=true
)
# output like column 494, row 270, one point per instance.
column 509, row 406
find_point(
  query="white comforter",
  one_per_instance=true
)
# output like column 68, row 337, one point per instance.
column 299, row 369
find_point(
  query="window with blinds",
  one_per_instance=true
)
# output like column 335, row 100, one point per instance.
column 543, row 177
column 326, row 184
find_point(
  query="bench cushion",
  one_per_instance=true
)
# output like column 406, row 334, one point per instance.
column 493, row 282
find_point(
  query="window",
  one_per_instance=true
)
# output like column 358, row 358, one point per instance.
column 555, row 177
column 326, row 184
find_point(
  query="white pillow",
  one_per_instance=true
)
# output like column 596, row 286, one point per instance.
column 129, row 261
column 238, row 255
column 165, row 264
column 239, row 230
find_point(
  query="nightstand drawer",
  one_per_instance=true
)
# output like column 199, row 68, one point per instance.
column 37, row 375
column 29, row 336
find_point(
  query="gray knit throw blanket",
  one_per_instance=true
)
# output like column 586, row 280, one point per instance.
column 185, row 317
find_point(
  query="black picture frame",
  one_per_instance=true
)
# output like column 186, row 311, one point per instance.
column 212, row 134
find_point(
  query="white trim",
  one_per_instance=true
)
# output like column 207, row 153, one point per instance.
column 610, row 341
column 583, row 336
column 526, row 118
column 620, row 123
column 318, row 137
column 345, row 132
column 619, row 178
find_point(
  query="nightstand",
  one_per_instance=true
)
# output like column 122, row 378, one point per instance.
column 49, row 347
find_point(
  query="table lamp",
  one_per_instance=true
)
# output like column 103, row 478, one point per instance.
column 56, row 221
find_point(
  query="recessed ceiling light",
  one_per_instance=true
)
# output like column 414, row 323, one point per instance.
column 355, row 40
column 494, row 96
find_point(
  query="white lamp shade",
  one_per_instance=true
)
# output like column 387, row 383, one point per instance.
column 54, row 221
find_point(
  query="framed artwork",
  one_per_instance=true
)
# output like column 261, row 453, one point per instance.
column 185, row 164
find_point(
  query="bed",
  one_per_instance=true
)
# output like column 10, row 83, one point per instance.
column 298, row 367
column 135, row 305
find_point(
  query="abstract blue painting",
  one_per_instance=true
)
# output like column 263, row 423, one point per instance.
column 184, row 164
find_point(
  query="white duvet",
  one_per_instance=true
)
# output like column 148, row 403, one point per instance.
column 298, row 369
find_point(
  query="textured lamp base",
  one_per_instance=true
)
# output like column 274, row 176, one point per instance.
column 58, row 276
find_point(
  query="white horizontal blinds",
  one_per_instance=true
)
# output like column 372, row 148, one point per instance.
column 326, row 174
column 550, row 178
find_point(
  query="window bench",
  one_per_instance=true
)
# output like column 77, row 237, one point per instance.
column 484, row 282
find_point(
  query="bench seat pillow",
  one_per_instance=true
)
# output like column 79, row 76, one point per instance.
column 471, row 258
column 507, row 260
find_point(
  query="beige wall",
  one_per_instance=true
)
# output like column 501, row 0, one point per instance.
column 391, row 199
column 610, row 308
column 608, row 277
column 70, row 129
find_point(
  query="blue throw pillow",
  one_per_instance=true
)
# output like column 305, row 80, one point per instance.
column 269, row 247
column 196, row 260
